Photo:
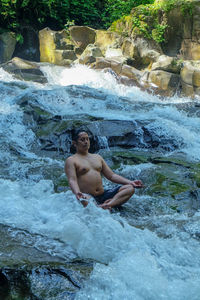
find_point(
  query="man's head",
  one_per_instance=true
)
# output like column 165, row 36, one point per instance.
column 80, row 140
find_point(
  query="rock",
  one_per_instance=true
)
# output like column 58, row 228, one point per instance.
column 7, row 46
column 131, row 72
column 107, row 39
column 190, row 50
column 24, row 70
column 165, row 81
column 168, row 64
column 187, row 72
column 56, row 47
column 129, row 48
column 89, row 55
column 43, row 282
column 148, row 51
column 102, row 63
column 174, row 34
column 112, row 52
column 82, row 36
column 29, row 49
column 64, row 57
column 116, row 66
column 190, row 77
column 187, row 90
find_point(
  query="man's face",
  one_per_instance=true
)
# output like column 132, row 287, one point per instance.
column 83, row 142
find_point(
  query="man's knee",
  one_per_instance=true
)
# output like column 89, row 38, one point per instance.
column 130, row 189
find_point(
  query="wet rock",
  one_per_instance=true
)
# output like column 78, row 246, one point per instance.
column 166, row 82
column 31, row 273
column 24, row 70
column 41, row 282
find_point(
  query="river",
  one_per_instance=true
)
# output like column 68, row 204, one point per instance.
column 149, row 250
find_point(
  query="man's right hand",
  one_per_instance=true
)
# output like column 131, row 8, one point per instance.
column 80, row 196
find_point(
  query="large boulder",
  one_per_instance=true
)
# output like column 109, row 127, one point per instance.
column 89, row 54
column 190, row 48
column 82, row 36
column 168, row 64
column 190, row 73
column 148, row 50
column 107, row 39
column 131, row 72
column 190, row 78
column 129, row 48
column 24, row 70
column 166, row 82
column 56, row 47
column 7, row 46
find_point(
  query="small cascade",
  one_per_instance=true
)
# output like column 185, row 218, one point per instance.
column 103, row 142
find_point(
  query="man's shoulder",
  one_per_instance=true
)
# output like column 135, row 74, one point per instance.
column 71, row 159
column 97, row 156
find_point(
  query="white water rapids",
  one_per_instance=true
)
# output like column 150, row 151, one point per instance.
column 131, row 263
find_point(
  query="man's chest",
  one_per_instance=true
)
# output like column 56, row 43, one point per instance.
column 83, row 166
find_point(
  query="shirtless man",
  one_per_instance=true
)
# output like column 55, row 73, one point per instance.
column 84, row 172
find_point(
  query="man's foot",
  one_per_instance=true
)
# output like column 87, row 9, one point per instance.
column 105, row 206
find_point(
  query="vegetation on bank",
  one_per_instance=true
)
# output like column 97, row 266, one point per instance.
column 147, row 21
column 127, row 17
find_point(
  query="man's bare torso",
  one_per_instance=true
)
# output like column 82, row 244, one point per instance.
column 88, row 171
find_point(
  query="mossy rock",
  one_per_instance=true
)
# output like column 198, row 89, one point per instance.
column 170, row 160
column 130, row 157
column 167, row 186
column 59, row 126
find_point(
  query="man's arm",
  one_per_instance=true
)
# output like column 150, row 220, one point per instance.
column 110, row 175
column 70, row 171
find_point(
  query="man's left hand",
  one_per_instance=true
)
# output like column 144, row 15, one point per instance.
column 137, row 184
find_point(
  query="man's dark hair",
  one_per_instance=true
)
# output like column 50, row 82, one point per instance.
column 76, row 132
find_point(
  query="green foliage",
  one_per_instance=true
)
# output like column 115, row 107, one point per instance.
column 69, row 24
column 115, row 9
column 141, row 27
column 158, row 33
column 86, row 12
column 19, row 38
column 56, row 14
column 187, row 8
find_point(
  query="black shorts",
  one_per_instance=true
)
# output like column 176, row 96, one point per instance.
column 107, row 194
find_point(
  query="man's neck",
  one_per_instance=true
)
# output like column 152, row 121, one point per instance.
column 82, row 153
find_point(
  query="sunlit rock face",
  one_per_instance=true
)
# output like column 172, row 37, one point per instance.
column 56, row 47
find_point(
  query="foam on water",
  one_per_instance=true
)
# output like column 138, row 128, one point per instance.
column 85, row 76
column 138, row 263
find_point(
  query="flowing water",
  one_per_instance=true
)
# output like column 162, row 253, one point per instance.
column 148, row 251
